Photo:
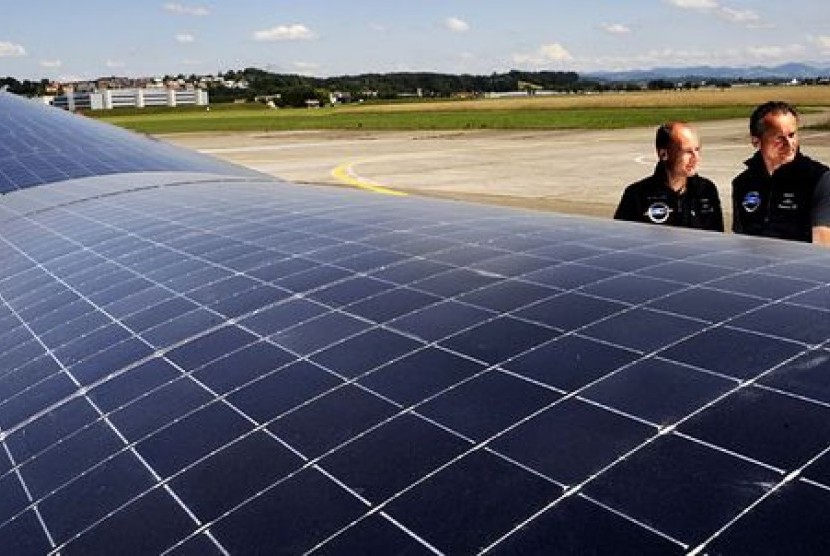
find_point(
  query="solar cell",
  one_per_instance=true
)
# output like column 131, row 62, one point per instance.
column 198, row 359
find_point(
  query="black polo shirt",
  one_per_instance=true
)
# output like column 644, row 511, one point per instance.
column 786, row 204
column 651, row 200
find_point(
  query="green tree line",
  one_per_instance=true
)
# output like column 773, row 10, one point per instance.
column 385, row 86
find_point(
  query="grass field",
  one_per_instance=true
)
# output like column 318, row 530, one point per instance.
column 595, row 111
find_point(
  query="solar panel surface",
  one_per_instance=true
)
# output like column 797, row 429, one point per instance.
column 198, row 360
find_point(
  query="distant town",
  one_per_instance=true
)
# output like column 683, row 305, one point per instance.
column 290, row 90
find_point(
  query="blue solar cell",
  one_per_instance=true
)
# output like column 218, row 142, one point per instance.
column 279, row 392
column 317, row 333
column 570, row 362
column 784, row 522
column 349, row 290
column 782, row 430
column 568, row 276
column 572, row 440
column 471, row 503
column 242, row 366
column 392, row 304
column 579, row 526
column 487, row 404
column 643, row 330
column 256, row 461
column 364, row 352
column 393, row 456
column 802, row 324
column 807, row 375
column 321, row 425
column 49, row 428
column 704, row 303
column 147, row 316
column 103, row 489
column 192, row 437
column 507, row 295
column 674, row 391
column 499, row 339
column 632, row 289
column 308, row 507
column 12, row 496
column 174, row 523
column 771, row 287
column 24, row 535
column 439, row 320
column 158, row 407
column 373, row 535
column 75, row 454
column 110, row 359
column 732, row 352
column 682, row 488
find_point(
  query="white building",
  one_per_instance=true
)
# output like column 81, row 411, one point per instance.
column 107, row 99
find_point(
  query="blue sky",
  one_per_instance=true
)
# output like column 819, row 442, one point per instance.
column 93, row 38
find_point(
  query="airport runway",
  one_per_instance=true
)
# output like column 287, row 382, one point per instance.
column 568, row 171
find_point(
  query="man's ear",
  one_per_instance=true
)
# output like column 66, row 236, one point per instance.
column 756, row 142
column 663, row 154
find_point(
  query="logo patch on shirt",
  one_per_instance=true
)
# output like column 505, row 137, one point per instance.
column 788, row 202
column 752, row 201
column 658, row 212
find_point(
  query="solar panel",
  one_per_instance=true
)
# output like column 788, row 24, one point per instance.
column 196, row 360
column 42, row 145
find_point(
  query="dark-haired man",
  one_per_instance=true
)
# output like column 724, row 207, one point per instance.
column 781, row 193
column 674, row 195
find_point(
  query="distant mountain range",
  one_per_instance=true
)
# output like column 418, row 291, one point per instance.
column 784, row 71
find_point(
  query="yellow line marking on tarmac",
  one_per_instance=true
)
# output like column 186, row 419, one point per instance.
column 346, row 174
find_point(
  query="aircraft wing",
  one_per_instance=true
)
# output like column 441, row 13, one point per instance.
column 199, row 359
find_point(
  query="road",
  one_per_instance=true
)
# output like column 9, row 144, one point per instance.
column 579, row 172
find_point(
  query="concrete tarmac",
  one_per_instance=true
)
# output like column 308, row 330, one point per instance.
column 581, row 172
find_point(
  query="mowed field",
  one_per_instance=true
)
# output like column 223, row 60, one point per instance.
column 565, row 111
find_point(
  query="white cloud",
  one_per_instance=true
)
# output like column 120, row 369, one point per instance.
column 186, row 10
column 669, row 57
column 456, row 25
column 546, row 54
column 737, row 16
column 305, row 67
column 9, row 50
column 694, row 4
column 747, row 18
column 114, row 64
column 615, row 28
column 295, row 32
column 823, row 41
column 185, row 38
column 50, row 63
column 377, row 27
column 191, row 62
column 776, row 52
column 555, row 52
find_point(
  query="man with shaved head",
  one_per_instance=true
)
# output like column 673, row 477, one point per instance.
column 781, row 193
column 675, row 195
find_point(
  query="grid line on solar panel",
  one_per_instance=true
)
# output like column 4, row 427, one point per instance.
column 69, row 374
column 323, row 244
column 81, row 393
